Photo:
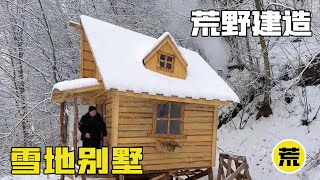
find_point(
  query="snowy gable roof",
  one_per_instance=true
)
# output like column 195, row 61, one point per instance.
column 119, row 55
column 75, row 84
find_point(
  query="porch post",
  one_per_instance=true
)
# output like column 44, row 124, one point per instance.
column 75, row 128
column 62, row 139
column 62, row 133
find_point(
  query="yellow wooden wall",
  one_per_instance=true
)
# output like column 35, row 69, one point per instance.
column 88, row 65
column 179, row 71
column 135, row 122
column 107, row 114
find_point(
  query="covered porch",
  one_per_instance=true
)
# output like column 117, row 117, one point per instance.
column 83, row 91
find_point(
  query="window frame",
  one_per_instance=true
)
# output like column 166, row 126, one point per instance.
column 165, row 61
column 154, row 120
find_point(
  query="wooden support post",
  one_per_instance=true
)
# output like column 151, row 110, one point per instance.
column 210, row 174
column 62, row 133
column 115, row 118
column 121, row 177
column 75, row 128
column 114, row 125
column 214, row 135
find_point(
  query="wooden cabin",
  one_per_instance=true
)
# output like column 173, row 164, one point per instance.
column 152, row 93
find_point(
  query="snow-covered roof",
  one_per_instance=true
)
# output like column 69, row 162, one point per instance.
column 75, row 84
column 119, row 55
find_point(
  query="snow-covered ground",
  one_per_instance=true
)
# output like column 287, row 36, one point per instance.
column 257, row 140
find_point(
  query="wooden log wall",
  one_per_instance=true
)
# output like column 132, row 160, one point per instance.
column 107, row 114
column 135, row 125
column 88, row 65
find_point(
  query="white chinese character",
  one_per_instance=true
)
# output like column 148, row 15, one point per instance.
column 205, row 20
column 299, row 24
column 269, row 24
column 229, row 23
column 244, row 21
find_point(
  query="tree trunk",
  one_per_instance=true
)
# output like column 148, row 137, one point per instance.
column 265, row 110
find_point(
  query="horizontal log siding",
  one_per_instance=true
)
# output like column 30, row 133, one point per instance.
column 135, row 126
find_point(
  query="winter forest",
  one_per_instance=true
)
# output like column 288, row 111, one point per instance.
column 276, row 78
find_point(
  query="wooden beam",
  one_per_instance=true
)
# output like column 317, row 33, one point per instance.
column 60, row 96
column 214, row 135
column 62, row 133
column 81, row 52
column 199, row 175
column 75, row 25
column 75, row 127
column 161, row 176
column 115, row 119
column 176, row 99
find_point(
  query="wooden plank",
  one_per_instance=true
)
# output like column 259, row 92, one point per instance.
column 86, row 46
column 210, row 173
column 62, row 133
column 199, row 138
column 136, row 140
column 88, row 55
column 214, row 136
column 136, row 109
column 199, row 126
column 146, row 162
column 198, row 176
column 132, row 99
column 135, row 121
column 140, row 133
column 197, row 119
column 59, row 96
column 161, row 176
column 200, row 108
column 115, row 119
column 175, row 99
column 183, row 149
column 157, row 156
column 89, row 65
column 136, row 145
column 153, row 140
column 236, row 172
column 197, row 132
column 198, row 114
column 136, row 115
column 75, row 25
column 61, row 119
column 81, row 52
column 75, row 126
column 88, row 74
column 153, row 144
column 199, row 164
column 135, row 104
column 126, row 127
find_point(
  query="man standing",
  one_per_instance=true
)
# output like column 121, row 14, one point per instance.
column 93, row 129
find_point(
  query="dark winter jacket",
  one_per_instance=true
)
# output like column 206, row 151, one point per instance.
column 95, row 126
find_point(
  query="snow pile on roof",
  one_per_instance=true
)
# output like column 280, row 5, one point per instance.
column 75, row 84
column 119, row 54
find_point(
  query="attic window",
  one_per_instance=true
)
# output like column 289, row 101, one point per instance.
column 168, row 119
column 166, row 61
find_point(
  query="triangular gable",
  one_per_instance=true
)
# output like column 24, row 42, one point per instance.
column 157, row 45
column 166, row 45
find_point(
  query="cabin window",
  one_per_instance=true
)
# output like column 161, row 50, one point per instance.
column 168, row 119
column 166, row 62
